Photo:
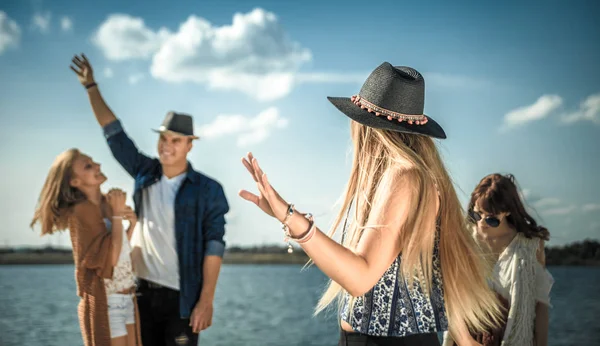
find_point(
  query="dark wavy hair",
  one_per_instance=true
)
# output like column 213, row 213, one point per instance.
column 496, row 194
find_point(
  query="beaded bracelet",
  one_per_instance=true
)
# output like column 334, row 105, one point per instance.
column 286, row 228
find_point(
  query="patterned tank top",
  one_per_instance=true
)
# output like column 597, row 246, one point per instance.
column 391, row 308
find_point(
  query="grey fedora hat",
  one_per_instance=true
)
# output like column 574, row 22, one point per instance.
column 179, row 123
column 392, row 98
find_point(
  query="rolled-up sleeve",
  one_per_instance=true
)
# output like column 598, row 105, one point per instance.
column 112, row 129
column 213, row 225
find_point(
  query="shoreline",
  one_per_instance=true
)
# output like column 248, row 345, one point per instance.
column 267, row 258
column 584, row 253
column 229, row 258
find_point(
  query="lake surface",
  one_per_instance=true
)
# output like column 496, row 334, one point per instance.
column 255, row 305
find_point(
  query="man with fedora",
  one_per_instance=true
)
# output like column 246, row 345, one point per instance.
column 178, row 243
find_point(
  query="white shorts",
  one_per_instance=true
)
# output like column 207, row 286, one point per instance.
column 120, row 313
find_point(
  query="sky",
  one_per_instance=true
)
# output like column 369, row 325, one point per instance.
column 515, row 86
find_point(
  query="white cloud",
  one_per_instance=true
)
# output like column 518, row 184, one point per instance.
column 589, row 110
column 41, row 21
column 66, row 24
column 591, row 207
column 268, row 87
column 249, row 130
column 122, row 37
column 135, row 78
column 539, row 110
column 10, row 32
column 560, row 211
column 108, row 72
column 546, row 202
column 252, row 55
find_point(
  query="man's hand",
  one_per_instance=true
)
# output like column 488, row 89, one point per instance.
column 202, row 314
column 129, row 215
column 83, row 69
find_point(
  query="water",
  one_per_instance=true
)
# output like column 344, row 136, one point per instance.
column 254, row 305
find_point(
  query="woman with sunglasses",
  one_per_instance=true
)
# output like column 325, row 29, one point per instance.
column 514, row 245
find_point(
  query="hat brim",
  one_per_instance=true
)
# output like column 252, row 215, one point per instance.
column 362, row 116
column 176, row 133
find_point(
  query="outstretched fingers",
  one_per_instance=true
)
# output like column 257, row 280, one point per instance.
column 257, row 170
column 78, row 64
column 249, row 167
column 269, row 191
column 249, row 196
column 78, row 61
column 85, row 59
column 76, row 71
column 261, row 188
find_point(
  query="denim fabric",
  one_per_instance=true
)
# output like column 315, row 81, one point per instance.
column 120, row 313
column 200, row 208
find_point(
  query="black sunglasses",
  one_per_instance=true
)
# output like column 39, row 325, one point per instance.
column 492, row 221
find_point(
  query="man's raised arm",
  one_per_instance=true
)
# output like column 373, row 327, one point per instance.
column 122, row 147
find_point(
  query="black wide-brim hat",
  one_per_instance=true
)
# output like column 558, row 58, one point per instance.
column 179, row 124
column 392, row 98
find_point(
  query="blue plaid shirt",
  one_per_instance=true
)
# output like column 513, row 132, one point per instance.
column 200, row 208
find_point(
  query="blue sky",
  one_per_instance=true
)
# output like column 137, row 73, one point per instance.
column 516, row 87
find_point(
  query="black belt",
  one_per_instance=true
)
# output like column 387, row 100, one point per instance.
column 149, row 284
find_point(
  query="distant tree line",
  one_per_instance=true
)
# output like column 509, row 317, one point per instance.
column 260, row 249
column 36, row 250
column 585, row 252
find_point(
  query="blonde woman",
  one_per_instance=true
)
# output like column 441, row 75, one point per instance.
column 407, row 264
column 71, row 198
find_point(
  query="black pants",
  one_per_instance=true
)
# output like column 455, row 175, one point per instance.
column 356, row 339
column 160, row 321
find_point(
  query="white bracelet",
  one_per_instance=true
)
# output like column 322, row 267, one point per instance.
column 311, row 230
column 117, row 217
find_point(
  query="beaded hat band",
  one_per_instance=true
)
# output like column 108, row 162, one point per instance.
column 417, row 119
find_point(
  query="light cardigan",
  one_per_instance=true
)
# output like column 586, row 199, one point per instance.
column 522, row 280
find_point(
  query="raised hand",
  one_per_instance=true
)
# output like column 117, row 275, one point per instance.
column 83, row 69
column 269, row 201
column 116, row 199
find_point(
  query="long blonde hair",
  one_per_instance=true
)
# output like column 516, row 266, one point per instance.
column 57, row 196
column 378, row 156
